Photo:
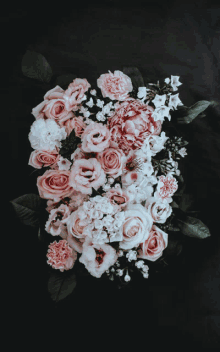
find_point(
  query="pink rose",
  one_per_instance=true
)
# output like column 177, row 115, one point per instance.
column 43, row 158
column 112, row 161
column 166, row 188
column 54, row 224
column 97, row 258
column 61, row 256
column 118, row 197
column 95, row 138
column 75, row 236
column 75, row 93
column 77, row 124
column 136, row 227
column 115, row 86
column 158, row 209
column 53, row 107
column 131, row 124
column 54, row 184
column 152, row 248
column 86, row 174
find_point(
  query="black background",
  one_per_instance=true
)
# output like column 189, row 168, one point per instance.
column 161, row 40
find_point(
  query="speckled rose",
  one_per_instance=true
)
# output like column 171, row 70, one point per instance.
column 115, row 86
column 61, row 256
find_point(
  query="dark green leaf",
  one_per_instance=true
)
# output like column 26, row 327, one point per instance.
column 193, row 227
column 64, row 80
column 34, row 65
column 135, row 75
column 61, row 284
column 193, row 111
column 174, row 247
column 27, row 208
column 186, row 202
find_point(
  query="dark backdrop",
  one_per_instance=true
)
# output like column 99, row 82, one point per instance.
column 180, row 38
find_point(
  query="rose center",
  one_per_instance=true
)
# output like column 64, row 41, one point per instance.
column 99, row 256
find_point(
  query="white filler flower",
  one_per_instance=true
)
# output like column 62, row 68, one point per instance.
column 46, row 134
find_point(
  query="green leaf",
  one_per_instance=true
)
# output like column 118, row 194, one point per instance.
column 61, row 284
column 193, row 227
column 174, row 247
column 34, row 65
column 27, row 208
column 186, row 202
column 135, row 75
column 64, row 80
column 192, row 112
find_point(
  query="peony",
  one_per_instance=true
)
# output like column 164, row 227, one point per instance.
column 43, row 158
column 97, row 258
column 115, row 86
column 131, row 124
column 61, row 256
column 136, row 227
column 112, row 161
column 46, row 135
column 74, row 94
column 95, row 138
column 152, row 248
column 54, row 224
column 86, row 174
column 53, row 106
column 54, row 184
column 166, row 187
column 158, row 209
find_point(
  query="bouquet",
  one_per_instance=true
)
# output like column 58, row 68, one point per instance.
column 107, row 159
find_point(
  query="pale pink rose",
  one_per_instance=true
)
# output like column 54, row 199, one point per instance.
column 86, row 174
column 74, row 94
column 54, row 224
column 97, row 258
column 77, row 124
column 54, row 184
column 158, row 209
column 43, row 158
column 61, row 256
column 112, row 161
column 131, row 124
column 136, row 227
column 166, row 188
column 53, row 107
column 118, row 197
column 152, row 248
column 115, row 86
column 95, row 138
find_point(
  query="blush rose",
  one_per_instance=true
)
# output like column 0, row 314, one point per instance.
column 95, row 138
column 54, row 224
column 158, row 209
column 77, row 124
column 74, row 94
column 112, row 161
column 43, row 158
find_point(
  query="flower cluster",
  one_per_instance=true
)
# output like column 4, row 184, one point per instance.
column 105, row 199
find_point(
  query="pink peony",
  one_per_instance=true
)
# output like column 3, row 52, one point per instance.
column 43, row 158
column 152, row 248
column 54, row 224
column 112, row 161
column 76, row 124
column 61, row 256
column 97, row 258
column 53, row 107
column 86, row 174
column 54, row 184
column 95, row 138
column 166, row 187
column 131, row 124
column 115, row 86
column 75, row 93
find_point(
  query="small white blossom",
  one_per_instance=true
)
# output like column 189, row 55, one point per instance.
column 161, row 112
column 93, row 92
column 131, row 255
column 84, row 97
column 120, row 253
column 175, row 82
column 100, row 103
column 167, row 80
column 119, row 272
column 139, row 264
column 112, row 270
column 142, row 92
column 117, row 263
column 106, row 187
column 145, row 275
column 100, row 116
column 159, row 100
column 64, row 164
column 87, row 114
column 111, row 180
column 174, row 101
column 117, row 185
column 90, row 103
column 145, row 268
column 127, row 278
column 182, row 152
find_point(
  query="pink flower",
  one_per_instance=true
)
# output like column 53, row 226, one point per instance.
column 131, row 124
column 136, row 226
column 115, row 86
column 76, row 124
column 112, row 161
column 97, row 258
column 43, row 158
column 166, row 187
column 54, row 224
column 95, row 138
column 75, row 93
column 87, row 174
column 53, row 107
column 54, row 184
column 152, row 248
column 118, row 197
column 158, row 209
column 61, row 256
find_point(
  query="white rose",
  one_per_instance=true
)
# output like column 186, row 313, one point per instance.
column 158, row 209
